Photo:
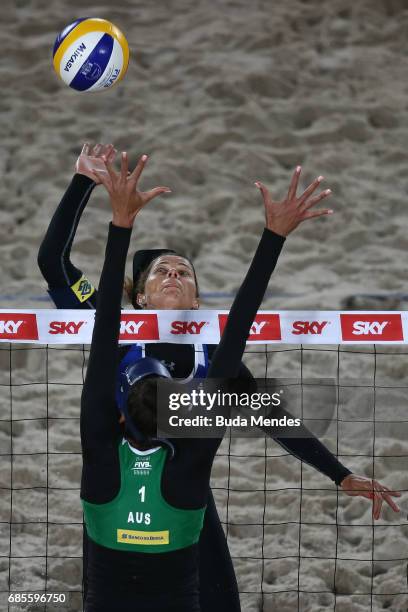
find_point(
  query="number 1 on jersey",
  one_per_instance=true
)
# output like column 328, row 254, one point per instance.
column 142, row 492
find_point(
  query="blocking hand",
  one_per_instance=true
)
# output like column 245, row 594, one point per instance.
column 283, row 216
column 126, row 200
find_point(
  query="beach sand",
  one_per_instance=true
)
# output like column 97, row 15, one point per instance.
column 220, row 94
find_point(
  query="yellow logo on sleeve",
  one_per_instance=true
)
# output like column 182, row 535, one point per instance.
column 146, row 538
column 83, row 289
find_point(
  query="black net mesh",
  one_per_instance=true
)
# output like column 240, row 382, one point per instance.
column 297, row 542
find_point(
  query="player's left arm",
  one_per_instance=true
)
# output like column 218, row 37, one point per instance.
column 289, row 215
column 67, row 285
column 98, row 395
column 282, row 217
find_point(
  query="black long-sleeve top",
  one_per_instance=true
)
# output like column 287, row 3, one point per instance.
column 218, row 586
column 54, row 255
column 185, row 478
column 100, row 430
column 55, row 263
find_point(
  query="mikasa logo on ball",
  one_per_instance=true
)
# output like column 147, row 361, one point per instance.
column 77, row 53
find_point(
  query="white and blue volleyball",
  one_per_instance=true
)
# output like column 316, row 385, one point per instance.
column 91, row 54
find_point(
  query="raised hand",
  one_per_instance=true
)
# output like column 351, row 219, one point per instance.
column 92, row 158
column 362, row 486
column 283, row 216
column 126, row 200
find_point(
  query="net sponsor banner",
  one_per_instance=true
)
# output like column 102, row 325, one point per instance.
column 206, row 326
column 308, row 327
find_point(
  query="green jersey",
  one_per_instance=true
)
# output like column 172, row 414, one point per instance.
column 139, row 519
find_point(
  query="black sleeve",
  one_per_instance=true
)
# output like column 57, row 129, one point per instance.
column 195, row 461
column 100, row 430
column 243, row 373
column 227, row 357
column 65, row 283
column 306, row 447
column 226, row 361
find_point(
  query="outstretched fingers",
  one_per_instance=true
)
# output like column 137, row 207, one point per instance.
column 108, row 163
column 377, row 502
column 135, row 175
column 317, row 213
column 313, row 201
column 105, row 152
column 263, row 190
column 124, row 166
column 311, row 189
column 97, row 150
column 85, row 149
column 378, row 493
column 153, row 193
column 387, row 496
column 110, row 154
column 388, row 500
column 294, row 183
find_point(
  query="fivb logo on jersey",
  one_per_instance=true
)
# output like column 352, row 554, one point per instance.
column 142, row 467
column 18, row 326
column 264, row 327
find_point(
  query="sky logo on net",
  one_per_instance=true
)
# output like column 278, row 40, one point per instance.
column 308, row 327
column 18, row 326
column 187, row 327
column 264, row 327
column 140, row 327
column 372, row 327
column 65, row 327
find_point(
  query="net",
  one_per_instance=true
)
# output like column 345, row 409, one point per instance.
column 297, row 542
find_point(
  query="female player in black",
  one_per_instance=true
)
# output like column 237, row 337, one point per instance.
column 166, row 581
column 165, row 577
column 70, row 290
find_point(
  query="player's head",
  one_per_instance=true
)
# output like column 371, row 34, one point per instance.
column 162, row 280
column 138, row 398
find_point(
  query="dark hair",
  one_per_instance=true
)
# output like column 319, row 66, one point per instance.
column 132, row 289
column 142, row 405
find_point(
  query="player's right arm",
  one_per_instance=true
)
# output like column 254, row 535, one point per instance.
column 67, row 285
column 99, row 423
column 281, row 219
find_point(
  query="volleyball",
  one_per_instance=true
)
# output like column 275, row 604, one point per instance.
column 91, row 54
